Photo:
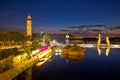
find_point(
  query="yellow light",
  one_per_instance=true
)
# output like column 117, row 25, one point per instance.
column 19, row 57
column 107, row 51
column 99, row 50
column 56, row 54
column 44, row 53
column 35, row 51
column 54, row 41
column 67, row 36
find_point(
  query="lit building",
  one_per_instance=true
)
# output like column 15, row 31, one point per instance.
column 67, row 37
column 29, row 26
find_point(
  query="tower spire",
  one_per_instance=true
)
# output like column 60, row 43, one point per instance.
column 28, row 17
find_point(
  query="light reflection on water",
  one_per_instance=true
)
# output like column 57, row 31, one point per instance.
column 83, row 66
column 88, row 66
column 107, row 51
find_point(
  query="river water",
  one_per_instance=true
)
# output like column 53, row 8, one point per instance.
column 90, row 66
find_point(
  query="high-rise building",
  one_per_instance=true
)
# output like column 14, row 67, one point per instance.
column 29, row 26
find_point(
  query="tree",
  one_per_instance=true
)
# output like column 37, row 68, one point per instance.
column 9, row 38
column 46, row 38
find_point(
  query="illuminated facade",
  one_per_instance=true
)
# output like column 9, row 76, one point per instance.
column 29, row 26
column 67, row 38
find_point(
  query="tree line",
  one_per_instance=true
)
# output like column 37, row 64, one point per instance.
column 12, row 38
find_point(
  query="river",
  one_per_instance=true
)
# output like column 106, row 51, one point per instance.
column 90, row 66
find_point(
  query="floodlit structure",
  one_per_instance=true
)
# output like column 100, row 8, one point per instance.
column 29, row 26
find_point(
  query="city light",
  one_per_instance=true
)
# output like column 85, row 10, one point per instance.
column 42, row 54
column 19, row 58
column 35, row 51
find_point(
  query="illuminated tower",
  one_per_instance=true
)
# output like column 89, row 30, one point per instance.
column 41, row 32
column 29, row 26
column 67, row 38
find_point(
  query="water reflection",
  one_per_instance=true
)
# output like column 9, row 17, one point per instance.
column 99, row 50
column 73, row 53
column 57, row 69
column 43, row 60
column 75, row 58
column 106, row 52
column 26, row 75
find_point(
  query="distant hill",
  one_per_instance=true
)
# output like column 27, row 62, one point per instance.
column 4, row 28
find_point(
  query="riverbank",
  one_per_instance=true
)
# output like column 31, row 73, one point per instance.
column 15, row 71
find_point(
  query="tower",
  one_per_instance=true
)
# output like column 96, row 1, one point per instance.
column 67, row 38
column 29, row 26
column 41, row 32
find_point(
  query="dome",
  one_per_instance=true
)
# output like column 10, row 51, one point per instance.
column 29, row 17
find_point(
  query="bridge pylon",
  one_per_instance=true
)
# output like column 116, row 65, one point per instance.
column 99, row 40
column 99, row 44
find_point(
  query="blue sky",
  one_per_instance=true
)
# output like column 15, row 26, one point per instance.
column 53, row 14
